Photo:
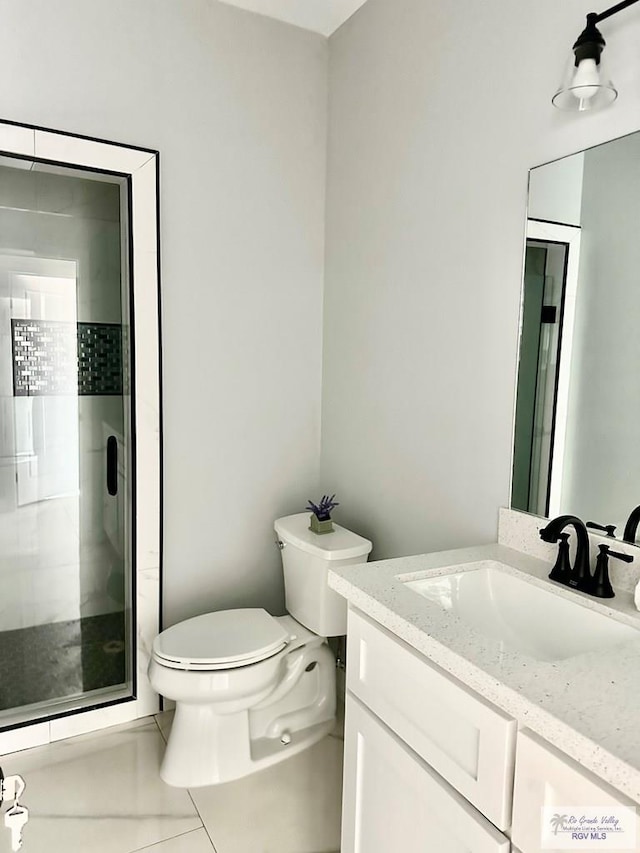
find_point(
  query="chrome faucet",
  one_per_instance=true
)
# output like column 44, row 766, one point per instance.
column 631, row 527
column 580, row 575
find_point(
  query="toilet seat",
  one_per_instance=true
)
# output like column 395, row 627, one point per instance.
column 226, row 639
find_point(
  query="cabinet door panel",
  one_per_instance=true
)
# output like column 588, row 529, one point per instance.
column 465, row 739
column 394, row 802
column 547, row 778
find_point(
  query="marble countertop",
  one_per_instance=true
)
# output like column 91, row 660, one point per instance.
column 587, row 705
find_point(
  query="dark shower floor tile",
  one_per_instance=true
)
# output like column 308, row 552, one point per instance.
column 61, row 659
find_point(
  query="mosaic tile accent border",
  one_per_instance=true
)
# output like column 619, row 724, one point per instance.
column 99, row 358
column 52, row 357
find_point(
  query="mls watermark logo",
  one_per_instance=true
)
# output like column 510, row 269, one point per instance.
column 588, row 828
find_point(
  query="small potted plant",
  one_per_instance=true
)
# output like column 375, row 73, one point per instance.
column 321, row 514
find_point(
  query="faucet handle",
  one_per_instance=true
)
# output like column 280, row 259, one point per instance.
column 600, row 583
column 626, row 558
column 609, row 529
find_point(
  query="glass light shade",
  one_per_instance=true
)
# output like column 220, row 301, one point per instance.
column 586, row 87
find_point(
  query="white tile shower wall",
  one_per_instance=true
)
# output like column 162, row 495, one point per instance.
column 521, row 531
column 147, row 463
column 53, row 146
column 19, row 140
column 39, row 586
column 25, row 738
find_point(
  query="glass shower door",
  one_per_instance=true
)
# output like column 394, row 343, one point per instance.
column 65, row 455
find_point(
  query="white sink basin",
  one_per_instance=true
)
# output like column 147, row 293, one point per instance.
column 526, row 618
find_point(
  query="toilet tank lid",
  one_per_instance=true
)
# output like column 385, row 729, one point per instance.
column 341, row 544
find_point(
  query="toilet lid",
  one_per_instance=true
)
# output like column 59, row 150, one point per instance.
column 221, row 639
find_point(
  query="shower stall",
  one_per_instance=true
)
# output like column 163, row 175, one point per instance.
column 68, row 434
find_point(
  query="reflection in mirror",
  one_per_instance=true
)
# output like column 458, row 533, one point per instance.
column 577, row 418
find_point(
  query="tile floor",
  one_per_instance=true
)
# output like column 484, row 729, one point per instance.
column 101, row 793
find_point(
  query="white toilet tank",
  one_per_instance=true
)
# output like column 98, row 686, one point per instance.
column 306, row 559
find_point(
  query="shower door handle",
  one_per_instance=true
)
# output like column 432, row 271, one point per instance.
column 112, row 465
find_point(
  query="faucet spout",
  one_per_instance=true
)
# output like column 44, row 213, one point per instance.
column 580, row 576
column 631, row 527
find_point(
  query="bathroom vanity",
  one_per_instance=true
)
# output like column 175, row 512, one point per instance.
column 478, row 693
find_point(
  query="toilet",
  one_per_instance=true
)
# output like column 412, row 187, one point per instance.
column 252, row 689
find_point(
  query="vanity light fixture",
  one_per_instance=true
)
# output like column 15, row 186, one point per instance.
column 585, row 85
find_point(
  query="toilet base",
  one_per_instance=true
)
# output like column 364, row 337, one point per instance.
column 206, row 747
column 266, row 752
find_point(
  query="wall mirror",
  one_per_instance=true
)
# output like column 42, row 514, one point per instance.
column 577, row 419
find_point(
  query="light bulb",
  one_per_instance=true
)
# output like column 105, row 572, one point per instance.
column 586, row 80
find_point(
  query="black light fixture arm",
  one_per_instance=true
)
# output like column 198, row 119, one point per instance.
column 590, row 43
column 613, row 10
column 586, row 86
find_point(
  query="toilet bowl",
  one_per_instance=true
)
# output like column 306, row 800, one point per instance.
column 252, row 689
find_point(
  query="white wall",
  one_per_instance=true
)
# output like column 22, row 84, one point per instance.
column 437, row 111
column 236, row 104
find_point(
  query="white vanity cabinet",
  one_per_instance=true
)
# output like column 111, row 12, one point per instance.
column 420, row 752
column 430, row 765
column 395, row 802
column 547, row 778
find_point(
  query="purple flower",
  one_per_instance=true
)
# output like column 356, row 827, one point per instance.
column 322, row 511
